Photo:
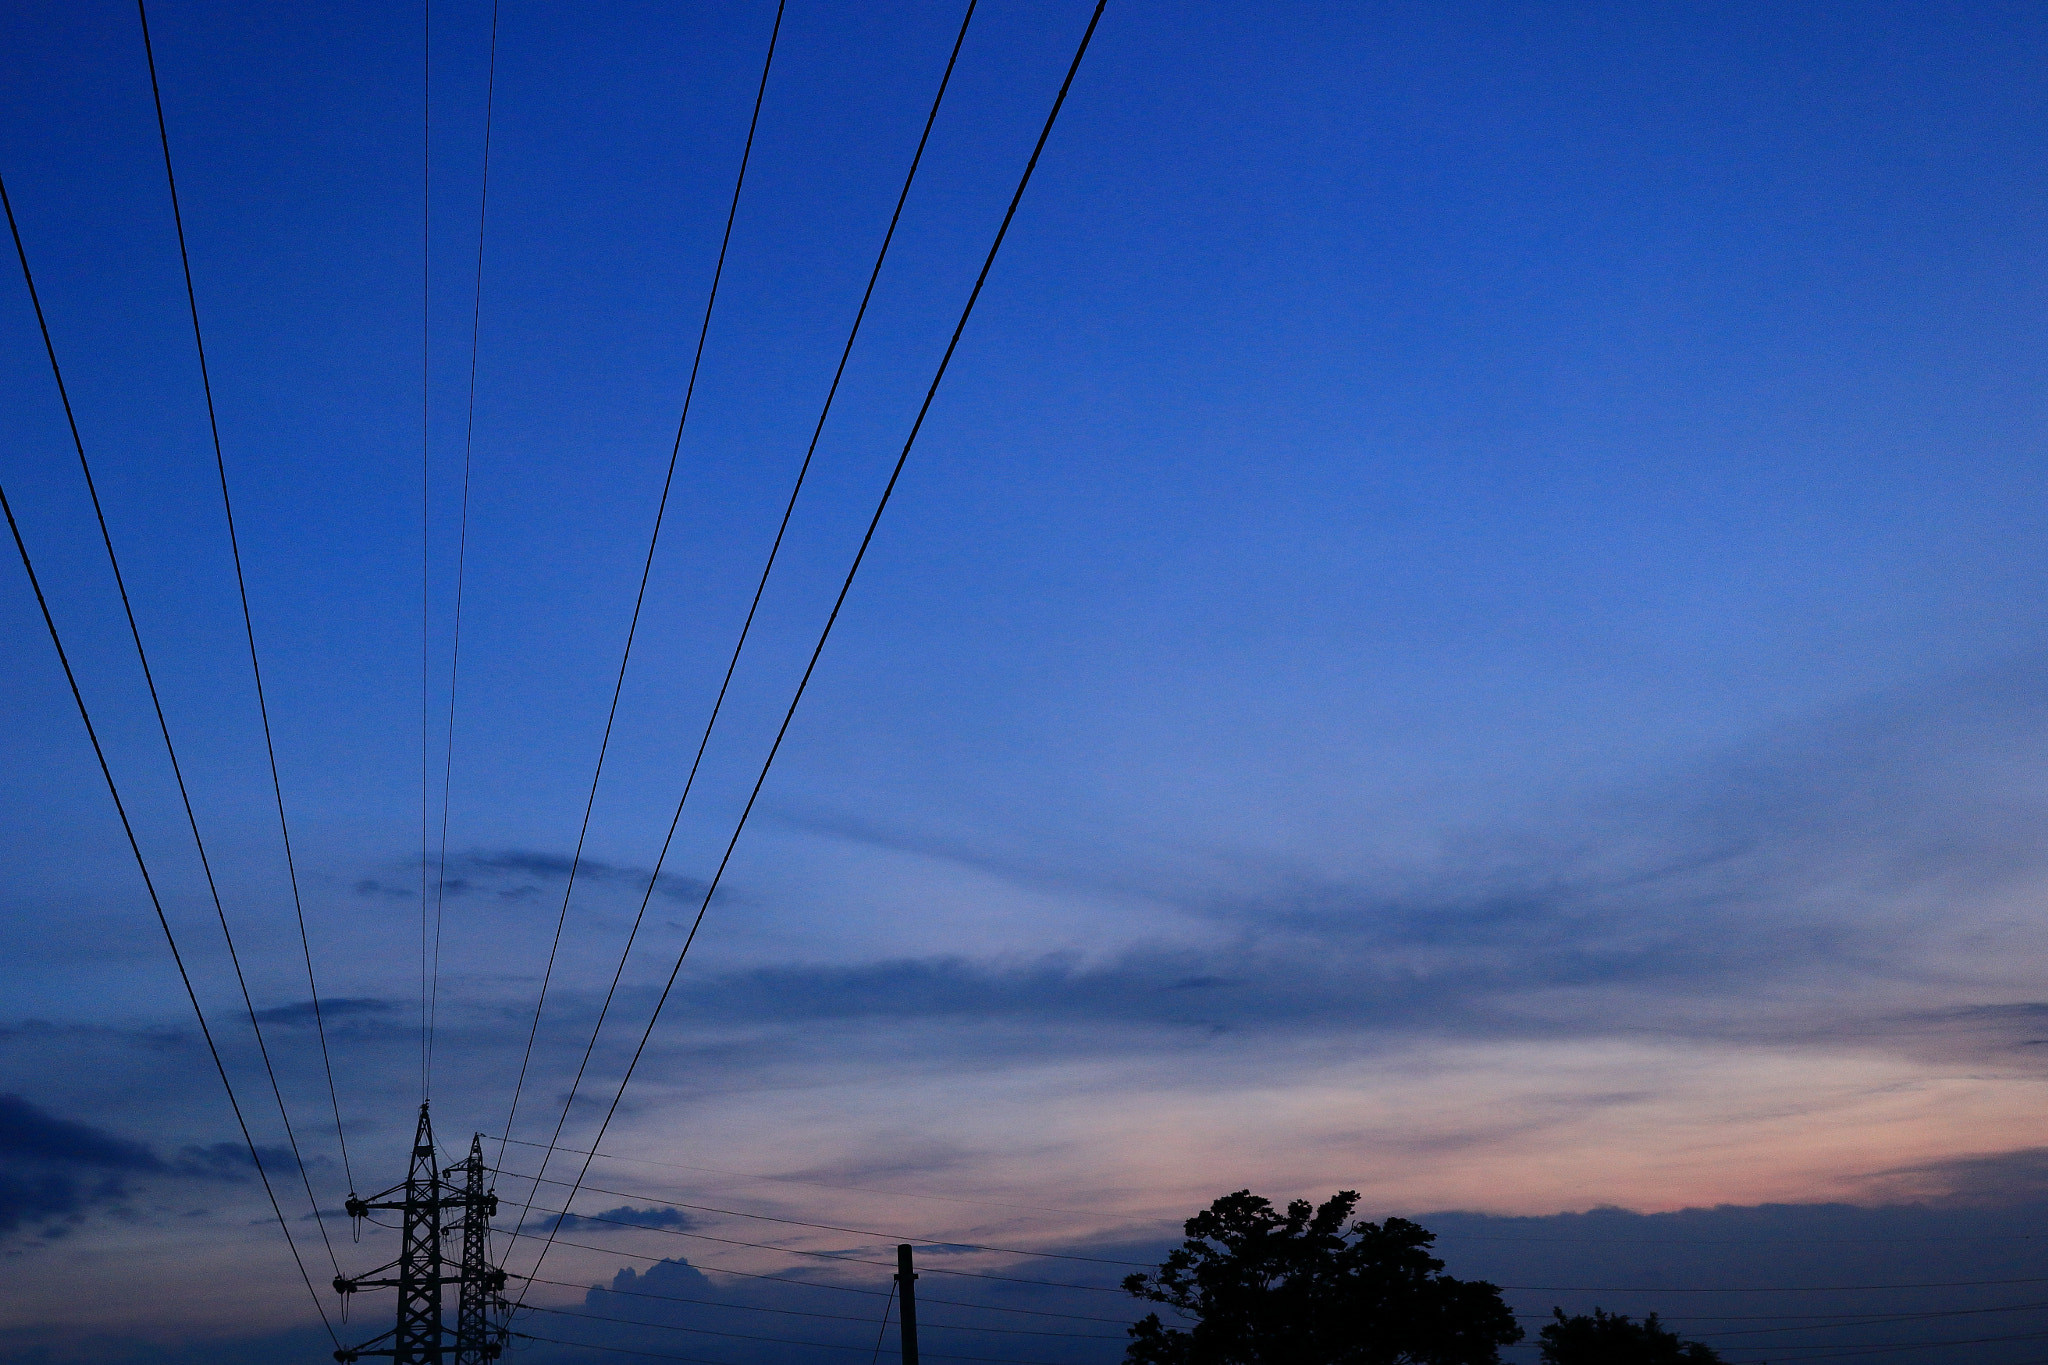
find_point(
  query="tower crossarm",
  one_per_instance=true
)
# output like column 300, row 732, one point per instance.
column 357, row 1208
column 422, row 1335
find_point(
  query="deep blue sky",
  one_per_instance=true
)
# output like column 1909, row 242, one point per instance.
column 1467, row 623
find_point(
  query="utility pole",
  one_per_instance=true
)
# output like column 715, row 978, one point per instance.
column 420, row 1336
column 906, row 1281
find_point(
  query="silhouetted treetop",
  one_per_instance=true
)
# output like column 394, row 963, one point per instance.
column 1603, row 1338
column 1309, row 1287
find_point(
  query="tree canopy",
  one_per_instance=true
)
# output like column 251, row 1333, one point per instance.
column 1309, row 1287
column 1603, row 1338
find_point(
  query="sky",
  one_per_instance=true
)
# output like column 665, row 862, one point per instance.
column 1466, row 624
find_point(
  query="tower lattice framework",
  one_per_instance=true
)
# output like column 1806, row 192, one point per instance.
column 424, row 1201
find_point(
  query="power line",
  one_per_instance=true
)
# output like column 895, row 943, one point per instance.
column 1868, row 1319
column 426, row 520
column 882, row 1330
column 780, row 1341
column 462, row 537
column 1759, row 1289
column 767, row 569
column 1106, row 1289
column 709, row 1303
column 2037, row 1360
column 107, row 773
column 241, row 585
column 837, row 1317
column 618, row 1350
column 1441, row 1234
column 881, row 505
column 783, row 1279
column 1876, row 1320
column 819, row 1184
column 834, row 1227
column 1882, row 1348
column 1820, row 1320
column 156, row 701
column 798, row 1251
column 1884, row 1239
column 723, row 1270
column 1824, row 1319
column 646, row 571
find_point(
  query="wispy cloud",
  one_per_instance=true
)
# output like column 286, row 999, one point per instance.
column 1885, row 851
column 623, row 1216
column 1995, row 1179
column 341, row 1007
column 514, row 872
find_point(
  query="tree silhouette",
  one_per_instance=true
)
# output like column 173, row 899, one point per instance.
column 1603, row 1338
column 1301, row 1288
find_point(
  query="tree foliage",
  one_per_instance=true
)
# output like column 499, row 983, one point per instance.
column 1603, row 1338
column 1308, row 1287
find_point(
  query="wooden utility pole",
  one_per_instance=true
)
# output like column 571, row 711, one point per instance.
column 905, row 1280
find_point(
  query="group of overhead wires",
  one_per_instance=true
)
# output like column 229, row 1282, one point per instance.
column 704, row 738
column 434, row 825
column 150, row 879
column 434, row 854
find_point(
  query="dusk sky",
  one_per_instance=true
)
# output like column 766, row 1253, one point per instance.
column 1467, row 623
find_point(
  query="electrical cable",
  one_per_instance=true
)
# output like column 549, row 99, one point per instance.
column 1883, row 1348
column 837, row 1317
column 1761, row 1289
column 462, row 538
column 113, row 789
column 723, row 1270
column 646, row 571
column 780, row 1341
column 819, row 1184
column 882, row 1331
column 831, row 1227
column 1822, row 1319
column 426, row 522
column 795, row 1251
column 781, row 1278
column 1832, row 1319
column 760, row 587
column 846, row 587
column 163, row 724
column 1104, row 1289
column 1878, row 1320
column 2037, row 1360
column 1441, row 1235
column 708, row 1303
column 1455, row 1235
column 617, row 1350
column 242, row 592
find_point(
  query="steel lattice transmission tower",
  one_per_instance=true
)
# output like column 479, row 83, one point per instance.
column 478, row 1282
column 428, row 1194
